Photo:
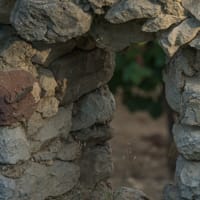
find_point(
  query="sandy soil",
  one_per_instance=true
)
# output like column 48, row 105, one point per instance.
column 140, row 147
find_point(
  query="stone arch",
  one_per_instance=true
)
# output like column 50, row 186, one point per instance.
column 55, row 60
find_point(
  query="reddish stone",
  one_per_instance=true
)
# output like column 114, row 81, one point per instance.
column 16, row 100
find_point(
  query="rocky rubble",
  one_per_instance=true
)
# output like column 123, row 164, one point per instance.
column 56, row 58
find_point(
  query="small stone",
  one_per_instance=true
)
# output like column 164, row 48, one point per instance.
column 7, row 188
column 48, row 106
column 188, row 178
column 47, row 82
column 171, row 193
column 180, row 35
column 162, row 22
column 34, row 123
column 193, row 7
column 127, row 10
column 174, row 77
column 196, row 42
column 97, row 162
column 173, row 7
column 14, row 146
column 187, row 139
column 118, row 37
column 95, row 108
column 52, row 22
column 191, row 101
column 58, row 125
column 125, row 193
column 16, row 54
column 55, row 180
column 18, row 97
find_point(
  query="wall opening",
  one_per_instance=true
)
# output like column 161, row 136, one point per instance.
column 143, row 150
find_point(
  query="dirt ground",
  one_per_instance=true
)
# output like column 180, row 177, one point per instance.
column 140, row 147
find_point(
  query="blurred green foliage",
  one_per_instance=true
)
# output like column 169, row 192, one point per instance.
column 139, row 68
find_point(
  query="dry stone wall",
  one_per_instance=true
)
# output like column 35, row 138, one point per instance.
column 56, row 57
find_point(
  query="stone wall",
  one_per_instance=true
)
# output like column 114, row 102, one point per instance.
column 56, row 57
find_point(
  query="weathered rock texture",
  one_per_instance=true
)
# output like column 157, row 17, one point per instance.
column 56, row 58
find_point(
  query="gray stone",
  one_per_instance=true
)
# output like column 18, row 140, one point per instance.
column 94, row 134
column 13, row 145
column 125, row 193
column 171, row 193
column 6, row 7
column 53, row 127
column 56, row 21
column 190, row 103
column 82, row 72
column 188, row 179
column 7, row 188
column 126, row 10
column 196, row 42
column 95, row 108
column 96, row 161
column 40, row 181
column 59, row 149
column 117, row 37
column 180, row 35
column 162, row 22
column 174, row 77
column 187, row 139
column 193, row 7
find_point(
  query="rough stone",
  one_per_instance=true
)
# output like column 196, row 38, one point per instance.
column 193, row 7
column 59, row 150
column 126, row 10
column 97, row 162
column 125, row 193
column 6, row 7
column 17, row 100
column 179, row 67
column 188, row 179
column 47, row 53
column 48, row 107
column 161, row 22
column 53, row 182
column 47, row 83
column 34, row 123
column 83, row 72
column 171, row 193
column 191, row 101
column 56, row 21
column 95, row 108
column 196, row 42
column 16, row 54
column 7, row 188
column 187, row 139
column 117, row 37
column 94, row 134
column 58, row 125
column 180, row 35
column 98, row 6
column 173, row 7
column 14, row 146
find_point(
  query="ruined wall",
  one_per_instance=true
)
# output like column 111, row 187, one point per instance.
column 56, row 57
